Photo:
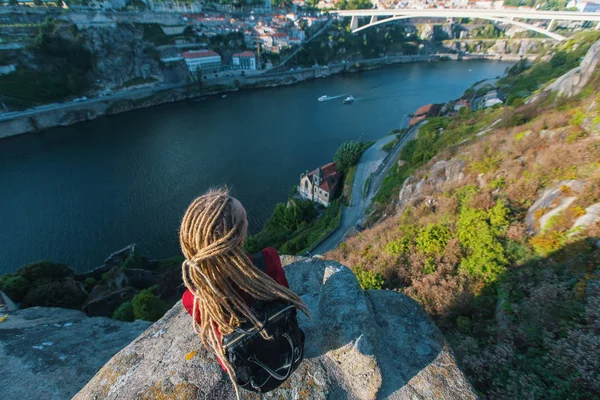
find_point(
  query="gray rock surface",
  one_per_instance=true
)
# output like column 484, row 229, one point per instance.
column 359, row 345
column 571, row 83
column 442, row 173
column 51, row 353
column 592, row 215
column 550, row 199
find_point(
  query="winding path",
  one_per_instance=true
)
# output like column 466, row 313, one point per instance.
column 374, row 162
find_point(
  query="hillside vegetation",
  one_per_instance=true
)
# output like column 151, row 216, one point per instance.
column 497, row 236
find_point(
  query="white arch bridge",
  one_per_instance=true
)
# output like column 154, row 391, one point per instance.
column 518, row 18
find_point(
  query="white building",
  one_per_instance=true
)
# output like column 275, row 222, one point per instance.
column 587, row 6
column 206, row 60
column 244, row 61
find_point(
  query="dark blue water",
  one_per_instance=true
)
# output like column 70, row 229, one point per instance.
column 78, row 193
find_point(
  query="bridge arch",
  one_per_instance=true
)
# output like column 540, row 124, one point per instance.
column 530, row 27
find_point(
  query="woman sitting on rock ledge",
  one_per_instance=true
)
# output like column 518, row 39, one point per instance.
column 222, row 282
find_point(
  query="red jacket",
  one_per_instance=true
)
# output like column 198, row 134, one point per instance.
column 273, row 268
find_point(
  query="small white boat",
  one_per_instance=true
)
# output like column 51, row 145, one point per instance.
column 323, row 98
column 224, row 96
column 349, row 100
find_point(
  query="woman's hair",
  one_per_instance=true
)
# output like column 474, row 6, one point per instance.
column 216, row 268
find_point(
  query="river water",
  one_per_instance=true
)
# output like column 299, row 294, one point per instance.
column 78, row 193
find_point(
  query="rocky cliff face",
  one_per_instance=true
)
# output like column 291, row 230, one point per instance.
column 50, row 353
column 360, row 345
column 571, row 83
column 122, row 54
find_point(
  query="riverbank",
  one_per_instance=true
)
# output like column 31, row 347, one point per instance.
column 55, row 115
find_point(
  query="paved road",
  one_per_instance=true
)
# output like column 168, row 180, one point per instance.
column 369, row 164
column 56, row 106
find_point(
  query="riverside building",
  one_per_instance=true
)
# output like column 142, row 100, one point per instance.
column 245, row 60
column 206, row 60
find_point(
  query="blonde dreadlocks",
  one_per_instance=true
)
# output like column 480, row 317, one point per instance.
column 212, row 233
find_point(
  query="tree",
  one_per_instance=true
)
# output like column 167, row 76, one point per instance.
column 348, row 154
column 13, row 2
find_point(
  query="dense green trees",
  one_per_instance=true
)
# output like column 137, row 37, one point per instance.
column 348, row 154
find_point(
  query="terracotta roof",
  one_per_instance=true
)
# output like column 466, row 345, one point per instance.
column 245, row 54
column 423, row 110
column 279, row 34
column 416, row 120
column 199, row 54
column 329, row 184
column 326, row 170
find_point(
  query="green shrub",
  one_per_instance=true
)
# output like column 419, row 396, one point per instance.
column 485, row 254
column 497, row 183
column 368, row 280
column 65, row 294
column 89, row 283
column 148, row 307
column 405, row 243
column 488, row 164
column 433, row 239
column 124, row 312
column 45, row 270
column 4, row 278
column 16, row 287
column 348, row 154
column 134, row 261
column 574, row 136
column 547, row 243
column 464, row 324
column 577, row 118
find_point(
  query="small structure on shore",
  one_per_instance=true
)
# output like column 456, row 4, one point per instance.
column 428, row 110
column 319, row 185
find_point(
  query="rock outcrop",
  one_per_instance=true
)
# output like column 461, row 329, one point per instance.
column 442, row 174
column 51, row 353
column 360, row 345
column 571, row 83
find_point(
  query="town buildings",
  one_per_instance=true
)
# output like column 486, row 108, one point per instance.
column 489, row 99
column 206, row 60
column 320, row 185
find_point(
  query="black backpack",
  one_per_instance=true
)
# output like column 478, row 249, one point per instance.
column 261, row 365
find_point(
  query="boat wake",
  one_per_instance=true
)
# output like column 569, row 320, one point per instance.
column 327, row 98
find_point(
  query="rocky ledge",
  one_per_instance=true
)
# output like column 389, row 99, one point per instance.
column 359, row 345
column 51, row 353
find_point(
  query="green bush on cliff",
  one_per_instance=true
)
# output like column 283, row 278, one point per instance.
column 477, row 232
column 368, row 280
column 147, row 306
column 4, row 278
column 134, row 261
column 124, row 312
column 16, row 287
column 348, row 154
column 44, row 270
column 66, row 294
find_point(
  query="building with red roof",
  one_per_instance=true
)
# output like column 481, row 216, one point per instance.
column 320, row 185
column 416, row 120
column 244, row 60
column 430, row 110
column 205, row 60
